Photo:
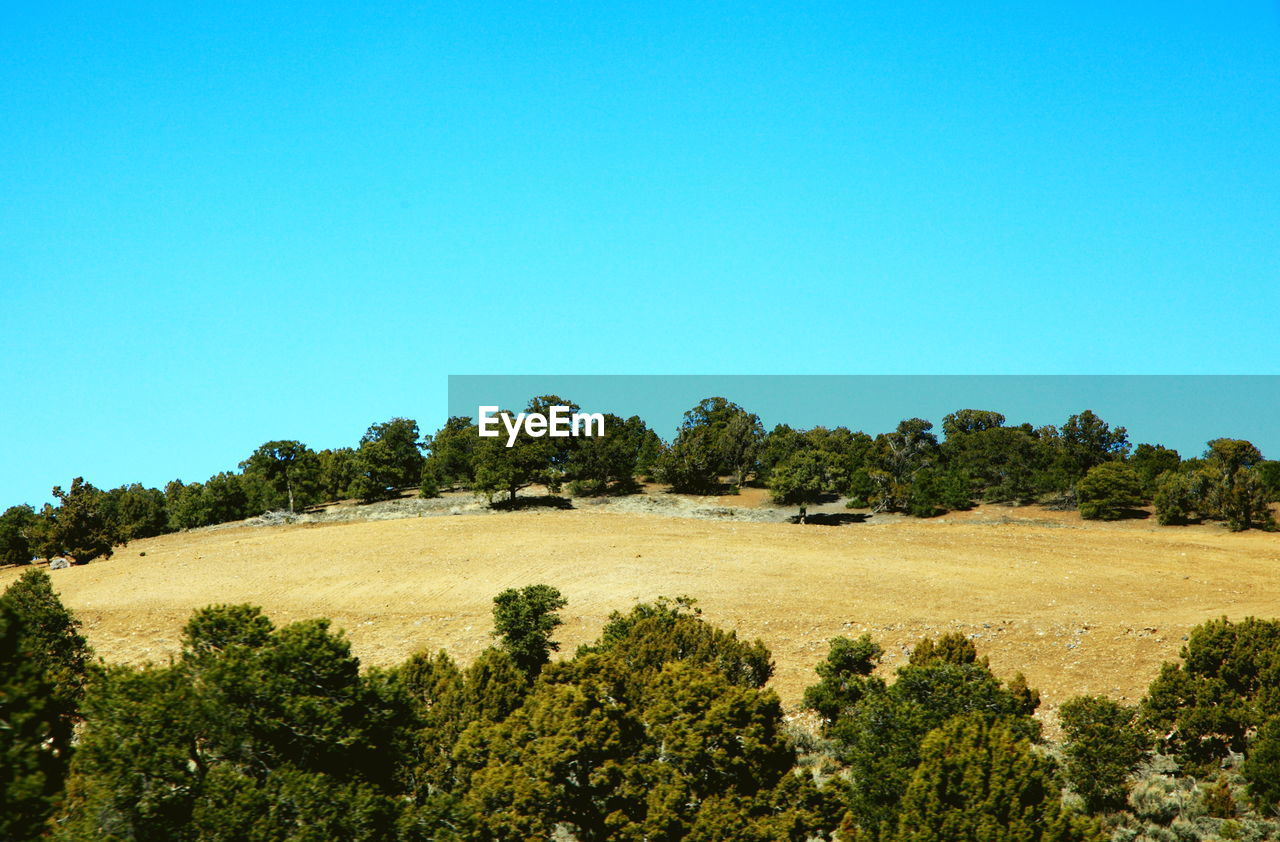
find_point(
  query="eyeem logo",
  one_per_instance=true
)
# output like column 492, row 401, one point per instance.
column 560, row 423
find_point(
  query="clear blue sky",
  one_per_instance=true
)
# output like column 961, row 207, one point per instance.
column 227, row 223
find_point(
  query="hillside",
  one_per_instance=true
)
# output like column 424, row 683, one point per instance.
column 1079, row 607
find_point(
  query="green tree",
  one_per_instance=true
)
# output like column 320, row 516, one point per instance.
column 1175, row 498
column 1261, row 767
column 879, row 737
column 79, row 524
column 1233, row 490
column 288, row 467
column 524, row 620
column 979, row 780
column 844, row 677
column 1150, row 461
column 1109, row 491
column 51, row 636
column 717, row 438
column 1224, row 688
column 609, row 746
column 1088, row 441
column 39, row 691
column 15, row 538
column 528, row 460
column 969, row 421
column 451, row 451
column 805, row 477
column 389, row 458
column 135, row 512
column 337, row 472
column 598, row 463
column 1103, row 747
column 1001, row 461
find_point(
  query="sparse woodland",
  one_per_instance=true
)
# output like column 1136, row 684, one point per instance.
column 664, row 728
column 1086, row 464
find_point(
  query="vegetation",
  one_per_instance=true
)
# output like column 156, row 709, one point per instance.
column 720, row 446
column 662, row 729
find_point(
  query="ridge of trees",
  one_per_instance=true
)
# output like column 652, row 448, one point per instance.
column 718, row 448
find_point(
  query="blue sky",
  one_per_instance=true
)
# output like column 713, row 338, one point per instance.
column 237, row 222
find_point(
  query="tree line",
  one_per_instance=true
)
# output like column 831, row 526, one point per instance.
column 1085, row 463
column 662, row 729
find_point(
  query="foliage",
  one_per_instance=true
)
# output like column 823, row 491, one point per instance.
column 717, row 438
column 78, row 526
column 1261, row 768
column 1225, row 687
column 979, row 780
column 1109, row 491
column 288, row 467
column 529, row 459
column 15, row 537
column 135, row 512
column 844, row 677
column 653, row 634
column 389, row 458
column 879, row 737
column 1087, row 441
column 1150, row 461
column 451, row 451
column 254, row 733
column 524, row 620
column 601, row 463
column 1103, row 747
column 337, row 472
column 37, row 708
column 1175, row 498
column 805, row 477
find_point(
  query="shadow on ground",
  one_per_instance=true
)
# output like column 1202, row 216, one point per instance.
column 549, row 501
column 831, row 518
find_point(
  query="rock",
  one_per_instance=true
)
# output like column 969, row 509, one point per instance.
column 59, row 564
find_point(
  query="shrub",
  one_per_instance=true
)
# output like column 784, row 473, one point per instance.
column 1108, row 491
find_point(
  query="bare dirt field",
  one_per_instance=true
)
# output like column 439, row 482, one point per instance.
column 1079, row 607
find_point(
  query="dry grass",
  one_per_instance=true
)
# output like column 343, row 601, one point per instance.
column 1079, row 607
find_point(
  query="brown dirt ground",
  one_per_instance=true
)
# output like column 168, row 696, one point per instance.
column 1079, row 607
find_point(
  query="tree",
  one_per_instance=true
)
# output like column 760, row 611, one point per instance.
column 1088, row 441
column 968, row 421
column 1223, row 689
column 502, row 468
column 135, row 512
column 35, row 734
column 1175, row 498
column 287, row 466
column 1001, row 461
column 1103, row 746
column 524, row 620
column 979, row 780
column 79, row 524
column 1261, row 767
column 1233, row 489
column 15, row 537
column 389, row 458
column 804, row 477
column 337, row 471
column 451, row 451
column 51, row 636
column 879, row 737
column 609, row 746
column 1150, row 461
column 844, row 677
column 597, row 463
column 717, row 438
column 1109, row 491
